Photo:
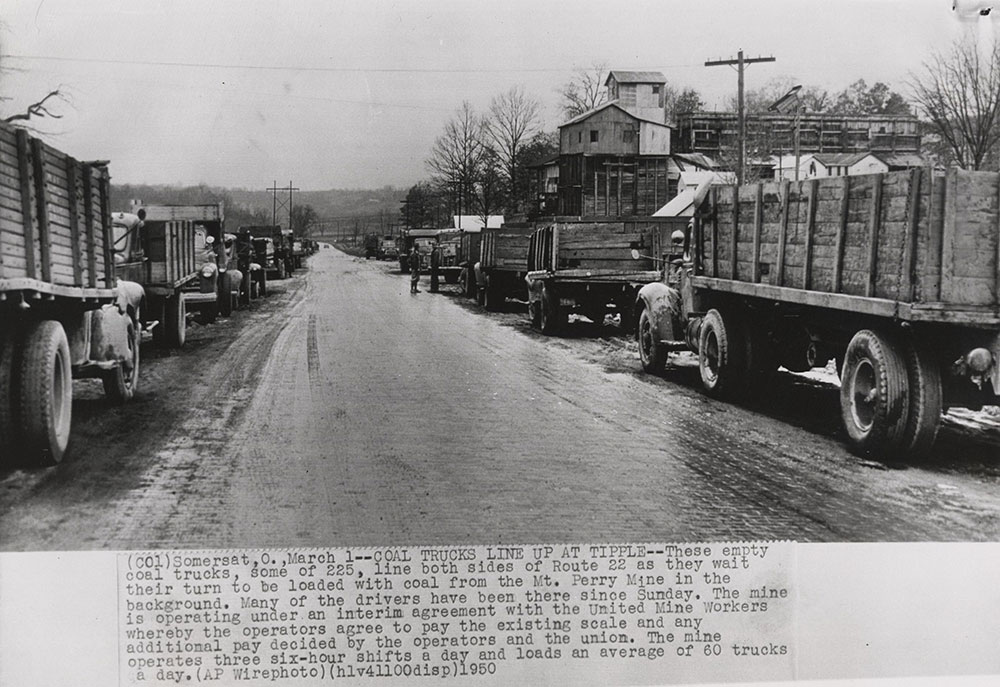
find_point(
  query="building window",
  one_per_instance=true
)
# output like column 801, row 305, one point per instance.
column 656, row 89
column 593, row 135
column 579, row 137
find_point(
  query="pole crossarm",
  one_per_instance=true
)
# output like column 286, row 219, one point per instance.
column 741, row 65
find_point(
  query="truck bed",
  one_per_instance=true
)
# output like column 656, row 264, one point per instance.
column 506, row 248
column 601, row 248
column 54, row 226
column 912, row 245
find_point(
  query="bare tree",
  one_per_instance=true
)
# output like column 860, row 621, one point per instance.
column 38, row 109
column 958, row 92
column 513, row 119
column 585, row 90
column 458, row 156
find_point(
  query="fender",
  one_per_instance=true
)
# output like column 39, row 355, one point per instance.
column 130, row 296
column 535, row 289
column 664, row 306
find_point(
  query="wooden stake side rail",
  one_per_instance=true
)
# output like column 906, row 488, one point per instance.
column 53, row 228
column 928, row 242
column 604, row 247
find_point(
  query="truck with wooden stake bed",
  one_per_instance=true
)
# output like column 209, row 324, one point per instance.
column 503, row 263
column 217, row 283
column 159, row 255
column 896, row 276
column 592, row 267
column 63, row 312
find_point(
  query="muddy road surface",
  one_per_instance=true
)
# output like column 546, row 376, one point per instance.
column 344, row 410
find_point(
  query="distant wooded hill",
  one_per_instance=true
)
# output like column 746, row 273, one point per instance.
column 247, row 207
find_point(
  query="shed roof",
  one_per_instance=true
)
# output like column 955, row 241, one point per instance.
column 625, row 76
column 903, row 159
column 842, row 159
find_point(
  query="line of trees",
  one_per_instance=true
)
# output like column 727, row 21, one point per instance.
column 478, row 165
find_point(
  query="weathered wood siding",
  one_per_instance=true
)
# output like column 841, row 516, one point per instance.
column 506, row 247
column 596, row 245
column 907, row 236
column 607, row 186
column 170, row 251
column 54, row 217
column 468, row 250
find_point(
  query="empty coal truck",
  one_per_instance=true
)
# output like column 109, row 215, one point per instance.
column 64, row 314
column 895, row 276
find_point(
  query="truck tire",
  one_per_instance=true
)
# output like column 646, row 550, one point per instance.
column 721, row 355
column 8, row 371
column 45, row 401
column 873, row 398
column 175, row 321
column 225, row 294
column 553, row 318
column 247, row 288
column 120, row 383
column 262, row 281
column 923, row 376
column 652, row 353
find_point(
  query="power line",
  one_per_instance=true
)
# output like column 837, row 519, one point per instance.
column 334, row 70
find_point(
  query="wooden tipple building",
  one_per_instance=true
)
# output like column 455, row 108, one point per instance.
column 614, row 160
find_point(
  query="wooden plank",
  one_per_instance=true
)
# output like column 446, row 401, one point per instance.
column 42, row 202
column 758, row 220
column 735, row 235
column 88, row 218
column 874, row 226
column 72, row 178
column 24, row 170
column 783, row 231
column 810, row 229
column 838, row 258
column 104, row 186
column 715, row 232
column 909, row 277
column 948, row 231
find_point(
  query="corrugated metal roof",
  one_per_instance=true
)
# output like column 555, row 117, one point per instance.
column 841, row 159
column 624, row 76
column 903, row 159
column 696, row 159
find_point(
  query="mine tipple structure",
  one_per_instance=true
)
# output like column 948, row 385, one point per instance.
column 714, row 133
column 613, row 163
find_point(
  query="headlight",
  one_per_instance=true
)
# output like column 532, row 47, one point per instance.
column 208, row 270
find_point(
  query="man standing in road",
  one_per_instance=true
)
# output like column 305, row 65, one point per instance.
column 414, row 269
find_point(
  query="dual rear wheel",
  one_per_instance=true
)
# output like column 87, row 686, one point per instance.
column 891, row 396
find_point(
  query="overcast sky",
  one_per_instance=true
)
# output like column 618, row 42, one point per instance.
column 352, row 94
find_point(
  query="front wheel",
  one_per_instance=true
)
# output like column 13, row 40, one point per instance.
column 873, row 398
column 225, row 294
column 720, row 355
column 121, row 382
column 175, row 316
column 263, row 283
column 652, row 352
column 45, row 403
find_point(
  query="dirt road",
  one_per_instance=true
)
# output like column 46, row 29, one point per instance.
column 345, row 410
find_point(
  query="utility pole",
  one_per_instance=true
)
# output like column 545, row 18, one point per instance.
column 276, row 205
column 741, row 64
